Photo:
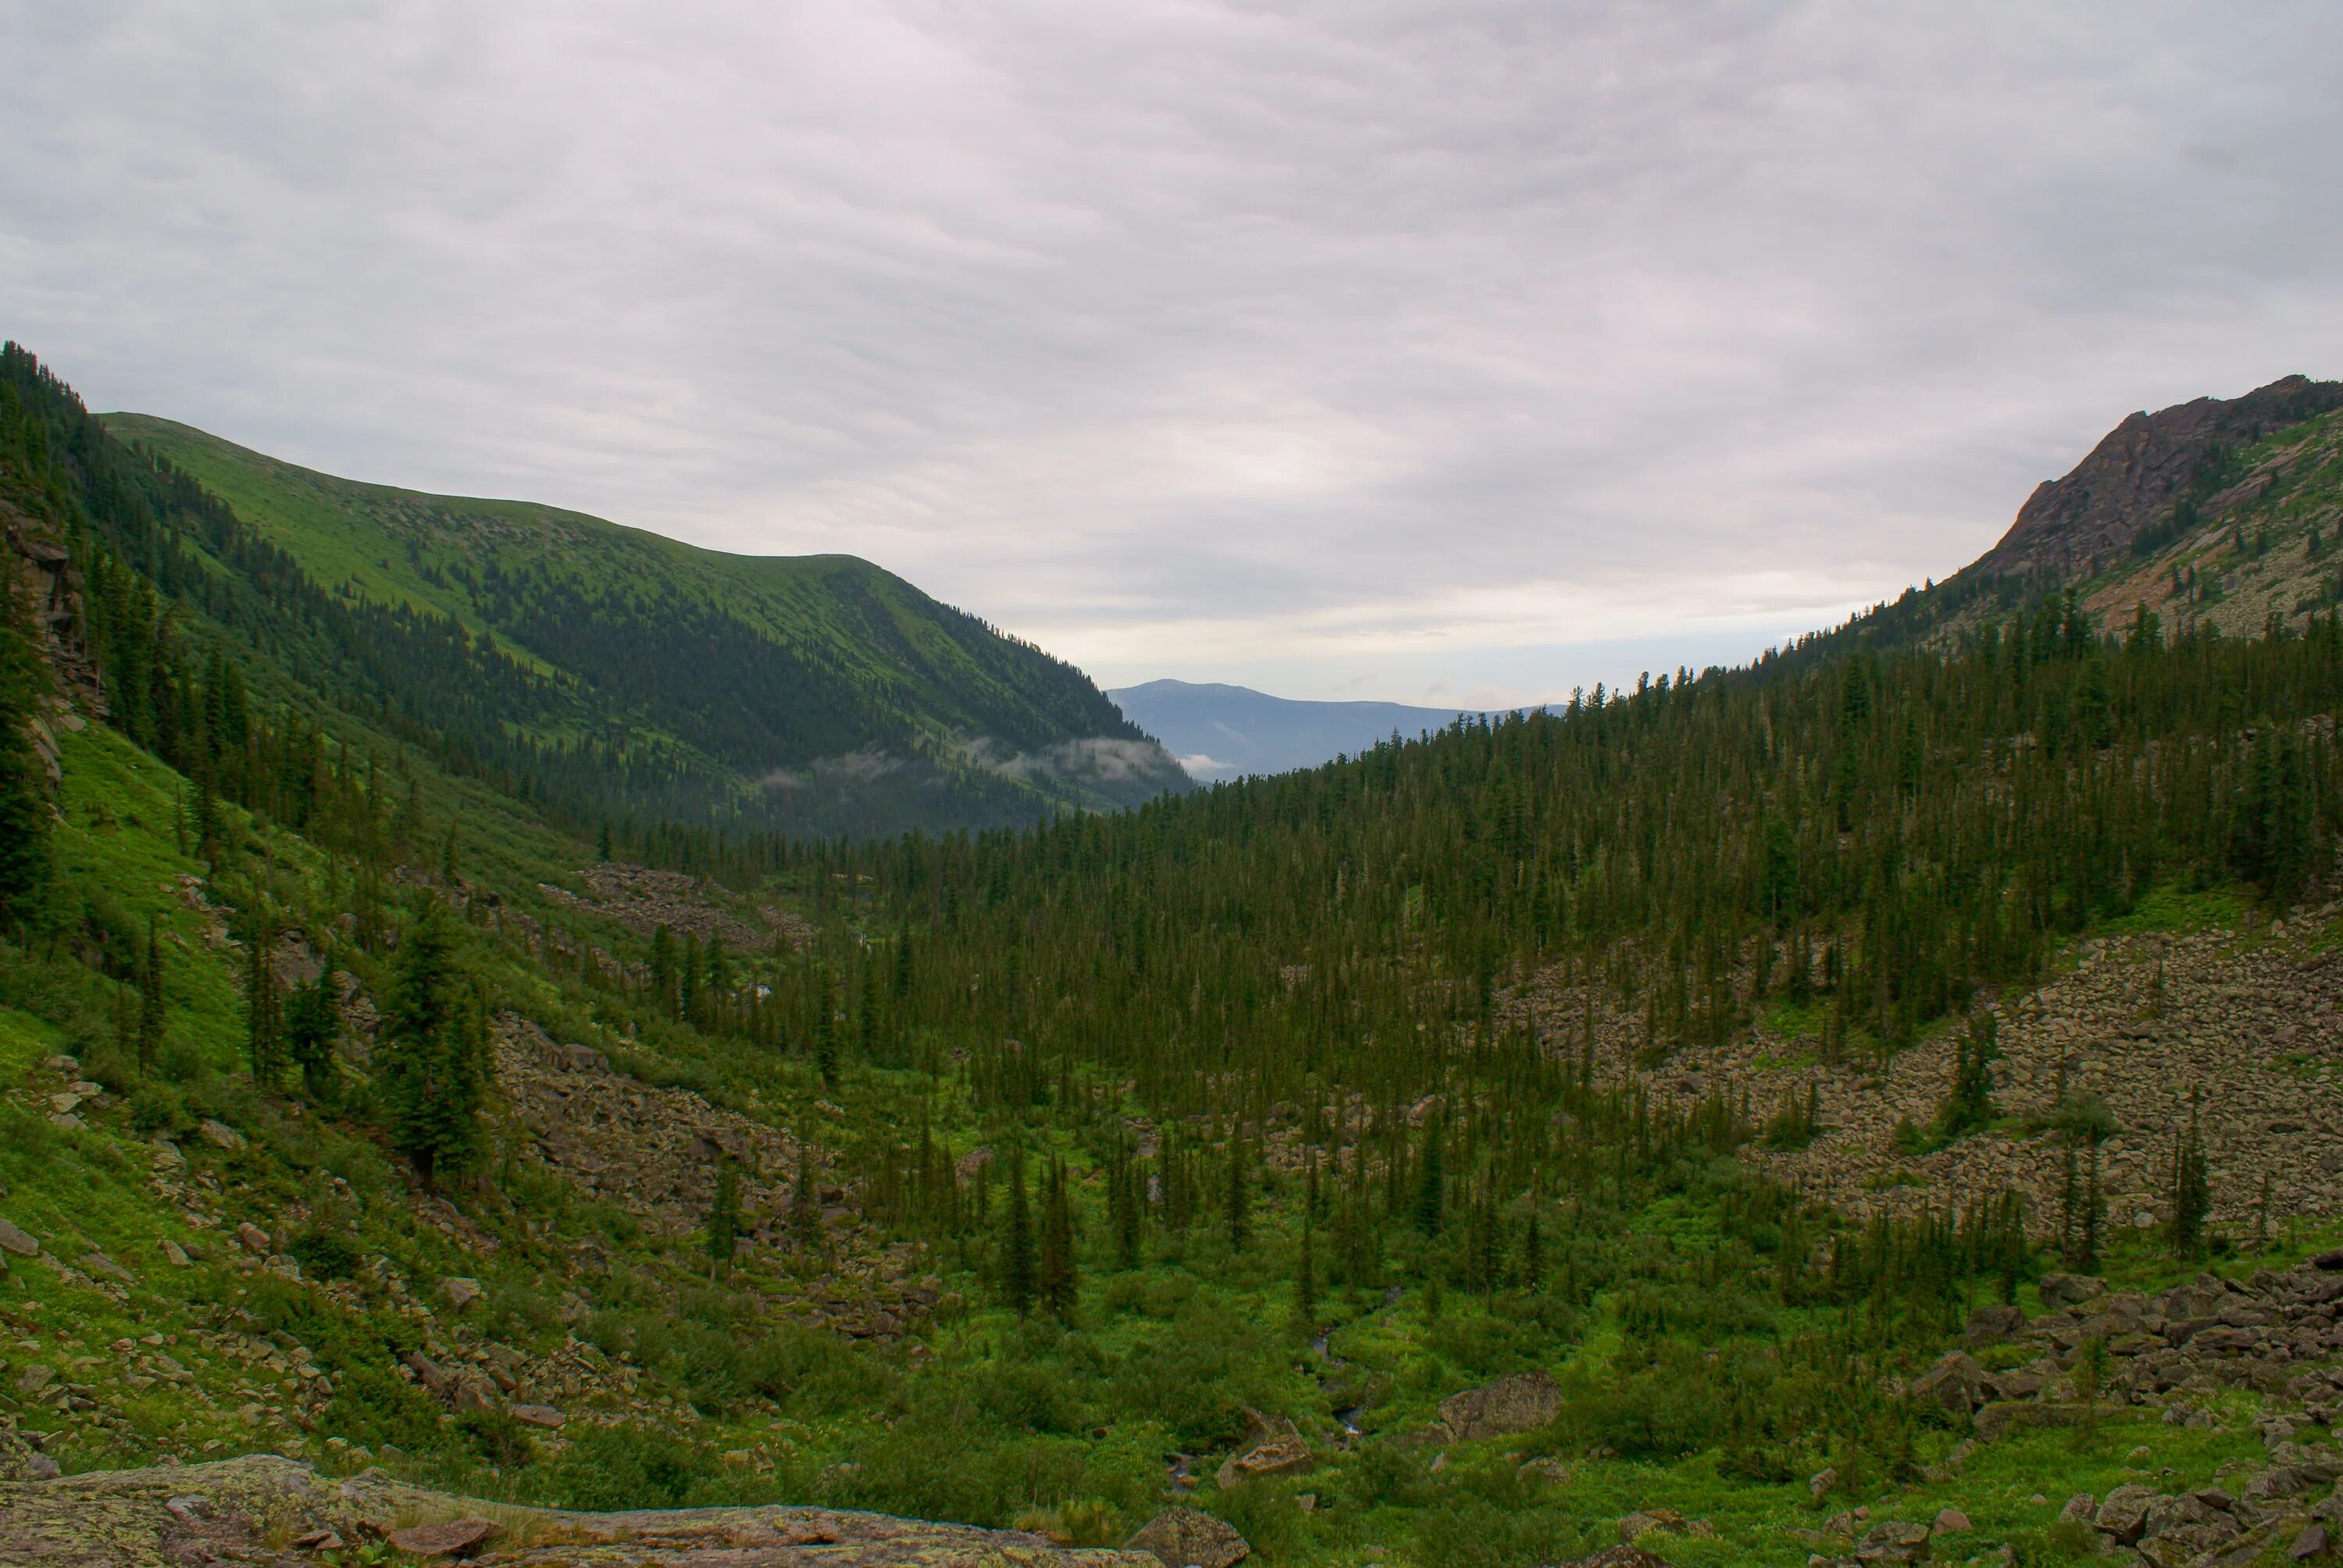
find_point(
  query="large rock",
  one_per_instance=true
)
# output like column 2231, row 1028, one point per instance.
column 2123, row 1512
column 1270, row 1447
column 2067, row 1290
column 1661, row 1520
column 455, row 1538
column 1991, row 1325
column 1618, row 1557
column 1190, row 1538
column 1957, row 1382
column 12, row 1239
column 19, row 1460
column 1523, row 1401
column 1894, row 1540
column 243, row 1509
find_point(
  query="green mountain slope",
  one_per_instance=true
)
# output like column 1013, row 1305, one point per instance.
column 816, row 692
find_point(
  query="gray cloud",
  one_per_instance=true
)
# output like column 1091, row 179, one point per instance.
column 1456, row 353
column 1103, row 760
column 849, row 767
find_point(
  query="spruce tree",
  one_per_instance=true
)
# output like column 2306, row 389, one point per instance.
column 264, row 1000
column 1970, row 1105
column 1017, row 1282
column 723, row 1214
column 432, row 1058
column 1305, row 1279
column 1432, row 1180
column 1238, row 1198
column 313, row 1023
column 1055, row 1284
column 825, row 1032
column 25, row 819
column 664, row 978
column 1130, row 1197
column 690, row 982
column 150, row 997
column 2192, row 1197
column 866, row 1021
column 805, row 1203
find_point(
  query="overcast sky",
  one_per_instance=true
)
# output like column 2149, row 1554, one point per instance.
column 1440, row 353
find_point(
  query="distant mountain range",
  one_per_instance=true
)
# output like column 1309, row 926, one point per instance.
column 1227, row 732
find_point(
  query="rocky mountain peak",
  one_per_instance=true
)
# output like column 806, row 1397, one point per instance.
column 2140, row 471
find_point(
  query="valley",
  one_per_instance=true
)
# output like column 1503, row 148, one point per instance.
column 1876, row 1105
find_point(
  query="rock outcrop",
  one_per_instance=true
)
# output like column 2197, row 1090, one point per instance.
column 37, row 571
column 235, row 1510
column 2136, row 474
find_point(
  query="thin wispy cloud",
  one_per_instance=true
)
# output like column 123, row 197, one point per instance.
column 1437, row 353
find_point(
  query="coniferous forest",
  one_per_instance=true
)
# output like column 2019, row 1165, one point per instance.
column 989, row 1156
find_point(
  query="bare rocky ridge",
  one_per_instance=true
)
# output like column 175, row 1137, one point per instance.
column 264, row 1509
column 2138, row 471
column 2263, row 546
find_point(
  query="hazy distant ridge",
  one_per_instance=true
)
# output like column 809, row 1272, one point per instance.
column 1225, row 731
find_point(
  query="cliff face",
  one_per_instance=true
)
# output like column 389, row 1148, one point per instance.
column 2141, row 471
column 37, row 568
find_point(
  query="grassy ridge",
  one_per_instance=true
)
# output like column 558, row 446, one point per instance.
column 760, row 667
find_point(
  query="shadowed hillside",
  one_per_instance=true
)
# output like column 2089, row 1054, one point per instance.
column 642, row 675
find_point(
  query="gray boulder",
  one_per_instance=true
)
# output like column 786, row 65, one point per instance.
column 1523, row 1401
column 2067, row 1290
column 1190, row 1538
column 1957, row 1383
column 2123, row 1512
column 1894, row 1540
column 1991, row 1325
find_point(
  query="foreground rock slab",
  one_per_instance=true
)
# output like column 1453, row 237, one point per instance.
column 180, row 1515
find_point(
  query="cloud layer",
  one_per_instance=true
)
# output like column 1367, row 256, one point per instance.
column 1456, row 353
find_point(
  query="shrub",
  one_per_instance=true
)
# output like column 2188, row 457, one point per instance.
column 374, row 1405
column 154, row 1108
column 628, row 1466
column 326, row 1254
column 179, row 1062
column 105, row 1063
column 500, row 1439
